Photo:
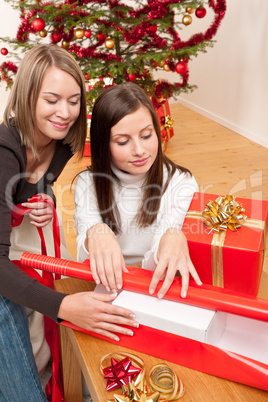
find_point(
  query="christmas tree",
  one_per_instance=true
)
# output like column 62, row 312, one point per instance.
column 115, row 42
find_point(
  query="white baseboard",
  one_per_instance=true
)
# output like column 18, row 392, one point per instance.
column 239, row 130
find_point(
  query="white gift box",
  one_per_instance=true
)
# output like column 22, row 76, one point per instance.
column 176, row 318
column 245, row 336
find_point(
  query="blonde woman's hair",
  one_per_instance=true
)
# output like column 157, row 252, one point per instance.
column 21, row 106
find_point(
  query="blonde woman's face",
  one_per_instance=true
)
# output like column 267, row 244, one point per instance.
column 58, row 105
column 134, row 142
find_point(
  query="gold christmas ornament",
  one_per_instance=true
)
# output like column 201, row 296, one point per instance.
column 189, row 10
column 79, row 33
column 187, row 20
column 162, row 63
column 109, row 43
column 65, row 44
column 43, row 33
column 166, row 67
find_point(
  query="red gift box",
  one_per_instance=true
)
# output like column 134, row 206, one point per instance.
column 166, row 122
column 87, row 150
column 197, row 355
column 229, row 259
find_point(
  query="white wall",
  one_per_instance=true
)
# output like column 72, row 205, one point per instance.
column 9, row 23
column 232, row 77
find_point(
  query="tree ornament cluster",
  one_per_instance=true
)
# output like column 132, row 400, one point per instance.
column 124, row 42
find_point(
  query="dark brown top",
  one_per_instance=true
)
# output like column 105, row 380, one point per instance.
column 15, row 284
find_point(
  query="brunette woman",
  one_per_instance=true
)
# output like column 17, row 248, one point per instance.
column 132, row 201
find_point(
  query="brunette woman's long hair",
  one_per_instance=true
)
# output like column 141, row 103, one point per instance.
column 110, row 107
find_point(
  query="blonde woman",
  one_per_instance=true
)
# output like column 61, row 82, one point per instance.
column 44, row 125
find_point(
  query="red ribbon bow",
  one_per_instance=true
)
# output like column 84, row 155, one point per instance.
column 119, row 373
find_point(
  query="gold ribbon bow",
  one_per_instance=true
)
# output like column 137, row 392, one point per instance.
column 224, row 213
column 168, row 122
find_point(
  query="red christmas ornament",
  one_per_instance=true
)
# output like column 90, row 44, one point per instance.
column 87, row 33
column 131, row 77
column 87, row 76
column 101, row 37
column 153, row 28
column 4, row 51
column 56, row 37
column 181, row 67
column 200, row 12
column 38, row 24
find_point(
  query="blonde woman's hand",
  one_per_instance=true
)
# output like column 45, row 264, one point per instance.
column 173, row 256
column 41, row 212
column 91, row 311
column 105, row 255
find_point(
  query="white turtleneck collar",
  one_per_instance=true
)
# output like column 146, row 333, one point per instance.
column 127, row 178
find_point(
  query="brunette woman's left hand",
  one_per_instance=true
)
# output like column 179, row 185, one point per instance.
column 173, row 256
column 41, row 212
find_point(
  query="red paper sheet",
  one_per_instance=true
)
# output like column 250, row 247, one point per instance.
column 187, row 352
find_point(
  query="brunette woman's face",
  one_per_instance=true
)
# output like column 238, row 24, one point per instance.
column 58, row 105
column 134, row 142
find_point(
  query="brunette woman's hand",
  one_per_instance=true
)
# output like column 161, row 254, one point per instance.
column 105, row 255
column 92, row 312
column 41, row 212
column 173, row 256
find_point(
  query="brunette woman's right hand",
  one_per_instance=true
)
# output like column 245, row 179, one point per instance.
column 105, row 255
column 91, row 311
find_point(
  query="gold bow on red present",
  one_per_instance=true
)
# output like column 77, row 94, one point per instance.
column 167, row 122
column 224, row 213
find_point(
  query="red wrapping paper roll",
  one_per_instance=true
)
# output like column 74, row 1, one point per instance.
column 138, row 280
column 57, row 265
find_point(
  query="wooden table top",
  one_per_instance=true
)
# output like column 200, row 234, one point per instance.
column 198, row 386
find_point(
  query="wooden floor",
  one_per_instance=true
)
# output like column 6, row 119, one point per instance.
column 223, row 162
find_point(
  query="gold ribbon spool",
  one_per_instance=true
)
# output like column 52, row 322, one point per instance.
column 163, row 380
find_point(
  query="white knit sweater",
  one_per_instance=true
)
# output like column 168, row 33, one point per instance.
column 137, row 244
